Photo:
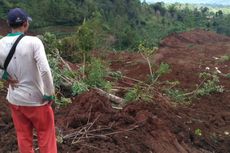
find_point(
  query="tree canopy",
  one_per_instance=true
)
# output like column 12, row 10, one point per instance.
column 128, row 22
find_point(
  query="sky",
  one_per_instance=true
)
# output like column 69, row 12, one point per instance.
column 223, row 2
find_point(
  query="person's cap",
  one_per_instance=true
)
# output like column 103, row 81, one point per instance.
column 17, row 16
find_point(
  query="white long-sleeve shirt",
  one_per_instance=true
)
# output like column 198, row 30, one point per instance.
column 30, row 67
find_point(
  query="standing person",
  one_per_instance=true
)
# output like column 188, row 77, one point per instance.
column 31, row 89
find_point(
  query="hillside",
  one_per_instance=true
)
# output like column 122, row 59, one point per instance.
column 128, row 23
column 91, row 124
column 131, row 77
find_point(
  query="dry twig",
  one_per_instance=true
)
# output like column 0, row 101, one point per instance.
column 86, row 132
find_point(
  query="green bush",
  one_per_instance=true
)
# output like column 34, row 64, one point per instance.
column 70, row 49
column 163, row 69
column 62, row 101
column 211, row 84
column 79, row 87
column 177, row 95
column 50, row 42
column 137, row 93
column 95, row 74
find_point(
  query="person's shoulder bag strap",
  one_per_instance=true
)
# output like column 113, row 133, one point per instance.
column 12, row 51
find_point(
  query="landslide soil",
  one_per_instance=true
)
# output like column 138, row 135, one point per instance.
column 156, row 127
column 189, row 54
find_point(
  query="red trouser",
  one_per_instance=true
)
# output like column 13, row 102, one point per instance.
column 42, row 119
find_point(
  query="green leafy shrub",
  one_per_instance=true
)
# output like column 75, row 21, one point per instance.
column 50, row 42
column 54, row 65
column 137, row 93
column 86, row 37
column 146, row 53
column 211, row 85
column 95, row 74
column 116, row 75
column 79, row 87
column 162, row 70
column 177, row 95
column 70, row 49
column 132, row 95
column 62, row 101
column 198, row 132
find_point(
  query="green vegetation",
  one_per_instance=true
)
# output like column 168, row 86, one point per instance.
column 62, row 101
column 91, row 73
column 79, row 87
column 146, row 53
column 96, row 73
column 224, row 58
column 138, row 93
column 177, row 95
column 198, row 132
column 209, row 85
column 163, row 69
column 116, row 25
column 120, row 24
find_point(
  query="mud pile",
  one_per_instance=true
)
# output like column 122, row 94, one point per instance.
column 189, row 54
column 193, row 37
column 138, row 128
column 90, row 124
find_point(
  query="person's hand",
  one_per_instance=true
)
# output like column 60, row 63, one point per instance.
column 12, row 82
column 49, row 102
column 48, row 99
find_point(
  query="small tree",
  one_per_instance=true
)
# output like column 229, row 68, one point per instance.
column 146, row 53
column 85, row 38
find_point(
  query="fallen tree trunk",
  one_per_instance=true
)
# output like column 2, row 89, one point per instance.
column 117, row 100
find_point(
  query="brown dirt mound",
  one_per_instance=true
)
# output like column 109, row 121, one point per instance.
column 199, row 50
column 211, row 115
column 149, row 127
column 138, row 128
column 130, row 64
column 193, row 37
column 190, row 53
